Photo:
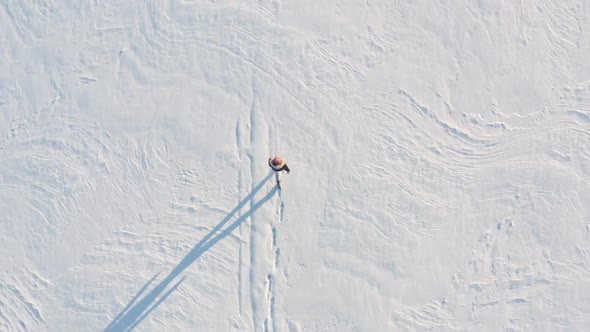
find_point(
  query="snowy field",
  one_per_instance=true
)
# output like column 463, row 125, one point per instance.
column 440, row 157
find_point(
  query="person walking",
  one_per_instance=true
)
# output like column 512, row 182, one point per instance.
column 278, row 165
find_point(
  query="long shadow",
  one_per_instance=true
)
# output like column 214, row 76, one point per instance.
column 134, row 313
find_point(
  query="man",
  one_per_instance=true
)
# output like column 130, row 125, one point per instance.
column 277, row 164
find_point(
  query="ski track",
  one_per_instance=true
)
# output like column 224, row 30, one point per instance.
column 244, row 233
column 440, row 156
column 261, row 241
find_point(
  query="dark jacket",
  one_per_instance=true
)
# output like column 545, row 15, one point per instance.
column 278, row 168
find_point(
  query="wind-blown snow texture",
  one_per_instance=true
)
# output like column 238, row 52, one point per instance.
column 440, row 156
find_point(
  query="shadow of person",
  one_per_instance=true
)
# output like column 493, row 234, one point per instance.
column 134, row 313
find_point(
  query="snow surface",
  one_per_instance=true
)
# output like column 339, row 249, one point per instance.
column 440, row 156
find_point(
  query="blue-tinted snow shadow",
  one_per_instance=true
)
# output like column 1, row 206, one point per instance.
column 134, row 312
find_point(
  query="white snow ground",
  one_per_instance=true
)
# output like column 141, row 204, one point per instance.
column 440, row 156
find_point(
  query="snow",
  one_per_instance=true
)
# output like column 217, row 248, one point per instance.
column 440, row 157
